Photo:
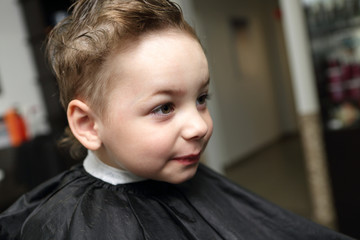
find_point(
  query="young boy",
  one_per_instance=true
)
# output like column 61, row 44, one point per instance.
column 135, row 81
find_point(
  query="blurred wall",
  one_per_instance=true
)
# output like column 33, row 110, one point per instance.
column 255, row 102
column 18, row 82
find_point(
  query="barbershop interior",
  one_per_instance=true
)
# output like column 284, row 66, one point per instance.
column 285, row 101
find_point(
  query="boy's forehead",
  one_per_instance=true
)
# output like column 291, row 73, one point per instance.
column 146, row 43
column 155, row 53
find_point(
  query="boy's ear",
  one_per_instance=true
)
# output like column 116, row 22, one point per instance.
column 83, row 124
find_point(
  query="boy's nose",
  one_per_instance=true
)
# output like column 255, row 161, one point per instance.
column 195, row 126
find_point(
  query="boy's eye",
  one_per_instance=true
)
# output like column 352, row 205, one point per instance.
column 164, row 109
column 202, row 99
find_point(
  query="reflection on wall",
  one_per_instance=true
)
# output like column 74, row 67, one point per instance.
column 250, row 52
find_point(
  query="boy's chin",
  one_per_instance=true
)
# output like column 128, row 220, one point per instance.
column 183, row 177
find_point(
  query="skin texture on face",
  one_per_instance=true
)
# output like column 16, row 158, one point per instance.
column 157, row 123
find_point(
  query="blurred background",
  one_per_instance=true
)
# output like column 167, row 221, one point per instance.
column 285, row 78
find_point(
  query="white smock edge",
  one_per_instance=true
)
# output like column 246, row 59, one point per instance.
column 98, row 169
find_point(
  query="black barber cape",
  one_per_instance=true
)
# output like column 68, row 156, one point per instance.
column 76, row 205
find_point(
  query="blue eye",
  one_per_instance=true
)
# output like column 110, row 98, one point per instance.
column 164, row 109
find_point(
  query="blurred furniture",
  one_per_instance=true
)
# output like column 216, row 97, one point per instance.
column 30, row 164
column 40, row 16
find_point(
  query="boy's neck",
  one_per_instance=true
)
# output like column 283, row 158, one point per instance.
column 98, row 169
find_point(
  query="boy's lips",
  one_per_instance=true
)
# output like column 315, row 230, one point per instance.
column 188, row 159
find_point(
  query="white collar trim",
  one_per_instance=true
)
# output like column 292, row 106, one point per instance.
column 95, row 167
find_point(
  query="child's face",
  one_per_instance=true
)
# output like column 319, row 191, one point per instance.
column 158, row 123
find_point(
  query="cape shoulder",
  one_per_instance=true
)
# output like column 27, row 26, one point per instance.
column 75, row 205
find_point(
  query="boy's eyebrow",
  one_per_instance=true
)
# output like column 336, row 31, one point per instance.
column 207, row 83
column 177, row 92
column 171, row 92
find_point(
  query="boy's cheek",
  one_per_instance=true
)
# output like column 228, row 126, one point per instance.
column 210, row 126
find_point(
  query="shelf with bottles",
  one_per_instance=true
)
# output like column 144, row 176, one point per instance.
column 339, row 89
column 336, row 60
column 344, row 42
column 326, row 17
column 343, row 115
